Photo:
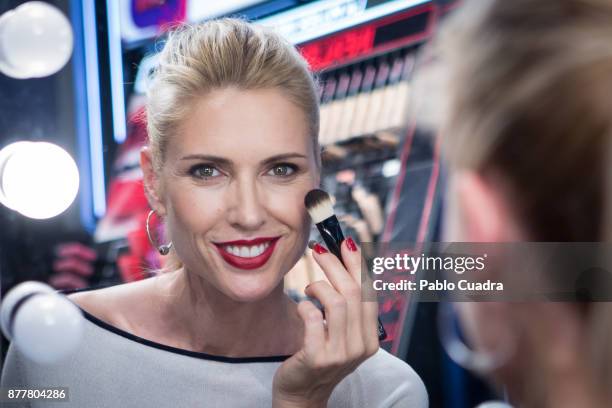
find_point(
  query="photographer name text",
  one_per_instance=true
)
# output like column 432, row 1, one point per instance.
column 455, row 265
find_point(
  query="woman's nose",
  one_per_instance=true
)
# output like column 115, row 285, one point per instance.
column 245, row 206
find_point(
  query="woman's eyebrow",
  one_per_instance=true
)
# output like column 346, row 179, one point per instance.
column 227, row 162
column 210, row 158
column 284, row 156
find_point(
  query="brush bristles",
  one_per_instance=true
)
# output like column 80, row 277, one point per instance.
column 319, row 205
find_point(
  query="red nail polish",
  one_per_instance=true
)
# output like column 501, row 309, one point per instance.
column 320, row 249
column 351, row 244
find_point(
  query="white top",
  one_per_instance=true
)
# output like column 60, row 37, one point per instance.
column 114, row 368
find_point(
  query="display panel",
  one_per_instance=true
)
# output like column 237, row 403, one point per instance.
column 366, row 40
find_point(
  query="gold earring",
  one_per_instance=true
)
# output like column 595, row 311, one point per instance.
column 162, row 249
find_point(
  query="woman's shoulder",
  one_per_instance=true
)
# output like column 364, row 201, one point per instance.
column 112, row 304
column 393, row 380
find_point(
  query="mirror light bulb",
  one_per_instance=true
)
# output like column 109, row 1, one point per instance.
column 38, row 179
column 44, row 325
column 47, row 328
column 35, row 40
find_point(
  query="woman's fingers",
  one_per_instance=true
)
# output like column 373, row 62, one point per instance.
column 369, row 307
column 335, row 306
column 314, row 329
column 351, row 256
column 340, row 276
column 345, row 278
column 370, row 326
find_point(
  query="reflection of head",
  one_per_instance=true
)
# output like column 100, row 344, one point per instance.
column 220, row 54
column 530, row 100
column 529, row 104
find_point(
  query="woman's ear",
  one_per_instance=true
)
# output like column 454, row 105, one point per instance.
column 484, row 209
column 151, row 182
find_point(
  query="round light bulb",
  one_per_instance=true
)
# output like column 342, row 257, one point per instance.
column 35, row 40
column 47, row 328
column 5, row 154
column 44, row 325
column 40, row 180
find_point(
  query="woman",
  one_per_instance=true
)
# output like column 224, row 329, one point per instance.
column 529, row 121
column 233, row 121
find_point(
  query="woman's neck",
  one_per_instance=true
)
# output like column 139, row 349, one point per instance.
column 211, row 322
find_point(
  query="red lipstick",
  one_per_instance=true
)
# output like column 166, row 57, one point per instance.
column 247, row 263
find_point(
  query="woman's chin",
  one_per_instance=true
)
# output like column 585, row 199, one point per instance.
column 251, row 290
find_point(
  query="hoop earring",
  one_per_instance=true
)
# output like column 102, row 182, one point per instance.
column 461, row 353
column 162, row 249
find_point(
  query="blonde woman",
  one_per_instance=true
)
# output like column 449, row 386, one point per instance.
column 528, row 128
column 233, row 122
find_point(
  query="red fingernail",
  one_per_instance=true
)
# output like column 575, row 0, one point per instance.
column 320, row 249
column 351, row 244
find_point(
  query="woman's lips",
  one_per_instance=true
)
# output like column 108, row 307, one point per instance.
column 247, row 254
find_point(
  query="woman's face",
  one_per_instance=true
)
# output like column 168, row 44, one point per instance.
column 232, row 188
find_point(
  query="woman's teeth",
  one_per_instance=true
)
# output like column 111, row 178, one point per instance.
column 246, row 251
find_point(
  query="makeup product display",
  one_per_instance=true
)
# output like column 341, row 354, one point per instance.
column 320, row 207
column 368, row 139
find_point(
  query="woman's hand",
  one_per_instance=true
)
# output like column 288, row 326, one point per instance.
column 334, row 348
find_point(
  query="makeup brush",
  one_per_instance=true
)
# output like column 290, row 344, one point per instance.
column 319, row 206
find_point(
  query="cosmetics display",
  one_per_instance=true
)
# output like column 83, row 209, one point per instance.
column 377, row 162
column 382, row 171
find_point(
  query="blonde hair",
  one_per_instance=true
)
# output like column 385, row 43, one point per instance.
column 530, row 85
column 217, row 54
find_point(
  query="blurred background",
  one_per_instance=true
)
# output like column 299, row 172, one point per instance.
column 380, row 165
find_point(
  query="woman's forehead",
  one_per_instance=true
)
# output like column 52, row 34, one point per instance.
column 233, row 122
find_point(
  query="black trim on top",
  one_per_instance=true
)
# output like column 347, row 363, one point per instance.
column 15, row 309
column 205, row 356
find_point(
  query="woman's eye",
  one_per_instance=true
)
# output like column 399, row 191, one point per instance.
column 204, row 171
column 282, row 170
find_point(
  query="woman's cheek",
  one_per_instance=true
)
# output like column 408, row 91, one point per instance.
column 288, row 204
column 197, row 208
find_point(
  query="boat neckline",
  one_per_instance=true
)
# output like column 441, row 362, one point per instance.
column 205, row 356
